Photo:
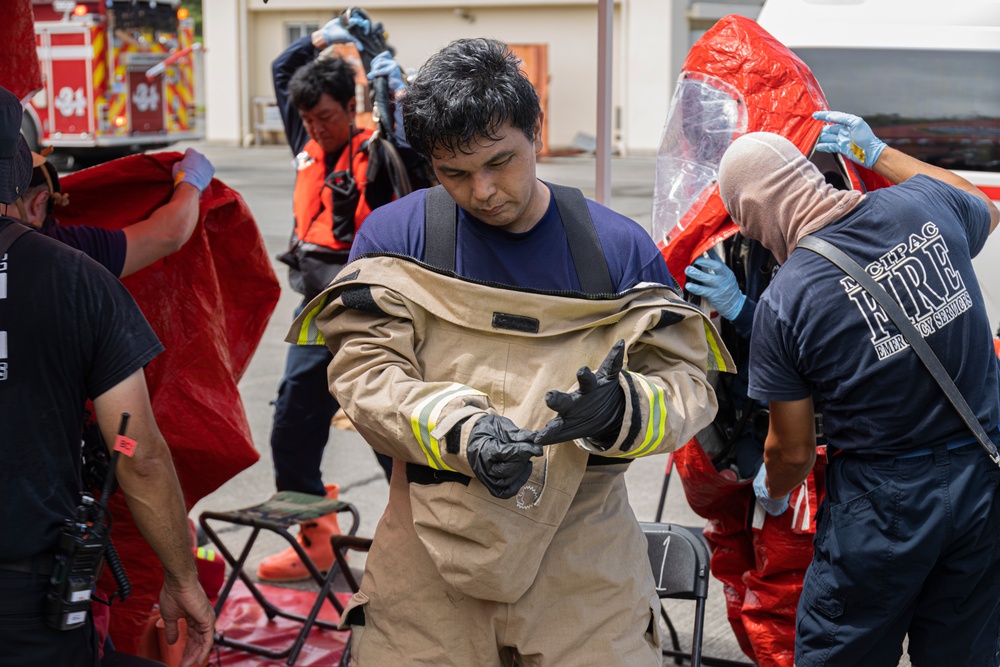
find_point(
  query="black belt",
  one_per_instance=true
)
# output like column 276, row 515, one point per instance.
column 38, row 564
column 418, row 474
column 595, row 460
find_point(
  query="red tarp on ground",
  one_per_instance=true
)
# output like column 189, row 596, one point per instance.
column 20, row 72
column 780, row 94
column 242, row 619
column 209, row 304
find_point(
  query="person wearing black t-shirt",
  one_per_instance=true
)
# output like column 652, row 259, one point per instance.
column 70, row 331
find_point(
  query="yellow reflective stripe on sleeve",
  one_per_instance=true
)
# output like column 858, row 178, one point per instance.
column 716, row 362
column 424, row 418
column 309, row 334
column 656, row 427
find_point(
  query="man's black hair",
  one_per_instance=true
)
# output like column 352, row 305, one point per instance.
column 466, row 91
column 333, row 76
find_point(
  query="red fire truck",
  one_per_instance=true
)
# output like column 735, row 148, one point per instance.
column 118, row 77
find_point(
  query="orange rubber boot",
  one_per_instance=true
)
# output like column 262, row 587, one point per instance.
column 314, row 537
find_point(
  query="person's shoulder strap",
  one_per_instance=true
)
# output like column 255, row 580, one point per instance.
column 584, row 245
column 11, row 233
column 440, row 229
column 909, row 332
column 440, row 236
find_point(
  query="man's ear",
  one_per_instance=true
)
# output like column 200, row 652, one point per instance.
column 537, row 132
column 37, row 206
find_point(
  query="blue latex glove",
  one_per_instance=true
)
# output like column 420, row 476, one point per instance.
column 850, row 136
column 193, row 168
column 713, row 280
column 335, row 33
column 773, row 506
column 385, row 65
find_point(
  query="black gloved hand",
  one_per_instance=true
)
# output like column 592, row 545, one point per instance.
column 595, row 410
column 500, row 454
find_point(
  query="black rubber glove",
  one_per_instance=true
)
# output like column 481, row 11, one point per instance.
column 595, row 410
column 500, row 454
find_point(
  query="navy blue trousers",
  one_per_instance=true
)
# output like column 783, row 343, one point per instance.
column 905, row 546
column 302, row 414
column 301, row 426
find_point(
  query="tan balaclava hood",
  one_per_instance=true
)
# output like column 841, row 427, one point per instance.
column 775, row 195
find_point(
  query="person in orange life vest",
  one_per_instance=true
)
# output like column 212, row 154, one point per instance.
column 333, row 195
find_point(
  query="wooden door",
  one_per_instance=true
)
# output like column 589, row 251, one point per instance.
column 535, row 63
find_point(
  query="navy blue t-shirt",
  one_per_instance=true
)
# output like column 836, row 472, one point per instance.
column 817, row 331
column 538, row 258
column 104, row 246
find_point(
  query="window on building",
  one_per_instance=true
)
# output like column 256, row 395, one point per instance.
column 942, row 107
column 298, row 30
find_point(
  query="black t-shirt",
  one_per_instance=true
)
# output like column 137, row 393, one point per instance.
column 69, row 331
column 105, row 246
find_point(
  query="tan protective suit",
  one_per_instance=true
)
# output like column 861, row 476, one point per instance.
column 558, row 574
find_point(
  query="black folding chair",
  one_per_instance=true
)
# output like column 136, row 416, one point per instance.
column 341, row 544
column 679, row 558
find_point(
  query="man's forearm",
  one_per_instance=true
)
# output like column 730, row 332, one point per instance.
column 164, row 232
column 147, row 478
column 283, row 68
column 154, row 497
column 785, row 472
column 896, row 167
column 790, row 446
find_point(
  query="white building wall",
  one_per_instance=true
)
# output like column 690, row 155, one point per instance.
column 651, row 38
column 224, row 99
column 418, row 33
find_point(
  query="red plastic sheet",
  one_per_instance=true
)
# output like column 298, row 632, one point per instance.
column 20, row 72
column 780, row 93
column 209, row 304
column 242, row 619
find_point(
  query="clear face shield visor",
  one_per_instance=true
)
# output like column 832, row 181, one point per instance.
column 705, row 115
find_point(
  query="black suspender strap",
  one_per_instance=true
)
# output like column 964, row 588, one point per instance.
column 10, row 234
column 440, row 233
column 440, row 229
column 584, row 246
column 909, row 332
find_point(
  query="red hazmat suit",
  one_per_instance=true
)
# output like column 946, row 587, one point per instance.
column 738, row 71
column 209, row 304
column 778, row 93
column 759, row 559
